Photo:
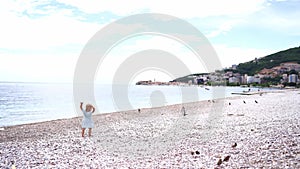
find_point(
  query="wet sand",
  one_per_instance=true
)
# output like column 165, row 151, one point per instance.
column 225, row 133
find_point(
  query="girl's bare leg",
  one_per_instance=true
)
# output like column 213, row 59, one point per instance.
column 82, row 132
column 90, row 132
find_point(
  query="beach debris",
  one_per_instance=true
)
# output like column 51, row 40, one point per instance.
column 244, row 101
column 234, row 145
column 192, row 153
column 139, row 110
column 229, row 103
column 197, row 152
column 256, row 101
column 219, row 162
column 213, row 101
column 206, row 88
column 209, row 101
column 226, row 158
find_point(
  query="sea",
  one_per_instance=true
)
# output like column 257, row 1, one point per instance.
column 24, row 103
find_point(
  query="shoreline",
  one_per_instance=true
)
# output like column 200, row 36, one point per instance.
column 117, row 113
column 99, row 114
column 264, row 128
column 95, row 116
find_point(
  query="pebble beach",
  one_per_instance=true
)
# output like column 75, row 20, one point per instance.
column 255, row 131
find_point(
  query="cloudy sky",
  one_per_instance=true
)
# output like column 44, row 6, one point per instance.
column 41, row 40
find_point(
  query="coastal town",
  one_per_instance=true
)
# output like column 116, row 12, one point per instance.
column 284, row 75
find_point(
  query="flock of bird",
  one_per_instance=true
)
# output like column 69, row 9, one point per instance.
column 220, row 161
column 245, row 102
column 230, row 102
column 226, row 158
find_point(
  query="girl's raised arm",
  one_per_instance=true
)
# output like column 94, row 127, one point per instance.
column 81, row 105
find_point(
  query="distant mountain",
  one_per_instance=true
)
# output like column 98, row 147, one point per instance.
column 186, row 79
column 256, row 65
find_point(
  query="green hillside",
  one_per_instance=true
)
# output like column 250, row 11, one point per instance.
column 187, row 78
column 254, row 66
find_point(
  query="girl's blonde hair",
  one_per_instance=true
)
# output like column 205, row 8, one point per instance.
column 89, row 105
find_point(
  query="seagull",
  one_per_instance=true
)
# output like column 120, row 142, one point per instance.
column 219, row 162
column 13, row 165
column 256, row 101
column 227, row 158
column 244, row 101
column 234, row 145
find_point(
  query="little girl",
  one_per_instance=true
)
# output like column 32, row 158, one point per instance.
column 87, row 121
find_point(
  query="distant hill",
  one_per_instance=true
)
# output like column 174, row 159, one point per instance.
column 256, row 65
column 187, row 78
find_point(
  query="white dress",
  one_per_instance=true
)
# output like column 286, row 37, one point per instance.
column 87, row 121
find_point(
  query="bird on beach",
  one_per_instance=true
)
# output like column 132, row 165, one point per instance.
column 229, row 103
column 227, row 158
column 219, row 162
column 244, row 101
column 139, row 110
column 197, row 152
column 256, row 101
column 234, row 145
column 192, row 153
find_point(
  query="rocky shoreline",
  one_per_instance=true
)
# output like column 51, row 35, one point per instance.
column 240, row 132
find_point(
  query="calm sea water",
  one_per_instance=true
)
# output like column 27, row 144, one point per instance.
column 22, row 103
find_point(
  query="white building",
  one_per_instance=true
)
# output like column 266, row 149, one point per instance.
column 244, row 79
column 253, row 79
column 234, row 80
column 234, row 67
column 293, row 78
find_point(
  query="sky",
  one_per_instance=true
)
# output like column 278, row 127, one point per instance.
column 41, row 40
